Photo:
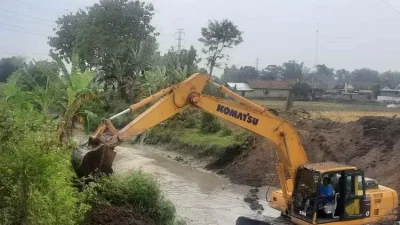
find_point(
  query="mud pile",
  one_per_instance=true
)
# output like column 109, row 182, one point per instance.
column 371, row 143
column 116, row 215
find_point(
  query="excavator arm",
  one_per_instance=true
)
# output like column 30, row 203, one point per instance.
column 98, row 154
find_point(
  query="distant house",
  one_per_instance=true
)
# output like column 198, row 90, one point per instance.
column 359, row 91
column 388, row 94
column 269, row 89
column 239, row 88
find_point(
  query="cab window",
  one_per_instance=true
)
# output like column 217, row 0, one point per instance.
column 305, row 193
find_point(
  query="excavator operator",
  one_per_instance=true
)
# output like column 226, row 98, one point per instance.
column 325, row 191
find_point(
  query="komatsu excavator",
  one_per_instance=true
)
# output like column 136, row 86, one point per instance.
column 354, row 200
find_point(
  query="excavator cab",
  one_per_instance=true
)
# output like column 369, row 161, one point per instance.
column 345, row 199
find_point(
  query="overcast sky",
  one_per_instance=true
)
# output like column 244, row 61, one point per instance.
column 352, row 33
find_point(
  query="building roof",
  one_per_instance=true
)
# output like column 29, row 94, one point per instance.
column 390, row 89
column 270, row 84
column 239, row 86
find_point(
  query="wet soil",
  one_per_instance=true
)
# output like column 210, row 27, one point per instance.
column 116, row 215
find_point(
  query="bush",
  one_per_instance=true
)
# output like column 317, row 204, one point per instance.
column 225, row 131
column 135, row 189
column 209, row 123
column 35, row 176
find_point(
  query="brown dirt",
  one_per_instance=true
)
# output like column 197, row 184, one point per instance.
column 116, row 215
column 371, row 143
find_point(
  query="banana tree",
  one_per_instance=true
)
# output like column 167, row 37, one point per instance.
column 78, row 92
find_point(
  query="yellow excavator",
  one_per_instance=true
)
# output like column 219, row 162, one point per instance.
column 353, row 199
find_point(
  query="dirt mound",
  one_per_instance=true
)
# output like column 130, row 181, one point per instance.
column 116, row 215
column 256, row 167
column 371, row 143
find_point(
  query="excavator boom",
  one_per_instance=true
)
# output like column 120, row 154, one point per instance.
column 97, row 154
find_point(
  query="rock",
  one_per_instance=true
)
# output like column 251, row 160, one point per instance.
column 178, row 158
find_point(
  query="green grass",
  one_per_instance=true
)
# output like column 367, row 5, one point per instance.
column 193, row 142
column 194, row 135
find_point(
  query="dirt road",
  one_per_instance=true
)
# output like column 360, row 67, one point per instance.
column 200, row 197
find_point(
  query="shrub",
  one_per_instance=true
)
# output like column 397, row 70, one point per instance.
column 209, row 123
column 35, row 176
column 225, row 131
column 135, row 189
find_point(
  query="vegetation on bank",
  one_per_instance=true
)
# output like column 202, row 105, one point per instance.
column 188, row 133
column 136, row 190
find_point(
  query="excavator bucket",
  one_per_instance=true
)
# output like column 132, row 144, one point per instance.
column 93, row 157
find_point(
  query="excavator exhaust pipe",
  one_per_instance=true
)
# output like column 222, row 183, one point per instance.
column 93, row 157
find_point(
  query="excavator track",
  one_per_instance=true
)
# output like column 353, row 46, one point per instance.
column 262, row 220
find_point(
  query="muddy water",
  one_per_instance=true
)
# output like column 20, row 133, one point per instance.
column 201, row 198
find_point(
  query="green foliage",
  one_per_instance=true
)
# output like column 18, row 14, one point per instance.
column 365, row 74
column 103, row 28
column 136, row 189
column 271, row 72
column 9, row 66
column 323, row 70
column 301, row 89
column 226, row 131
column 216, row 37
column 36, row 175
column 390, row 78
column 209, row 123
column 292, row 70
column 245, row 73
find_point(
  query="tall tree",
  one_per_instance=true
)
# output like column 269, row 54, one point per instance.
column 323, row 70
column 8, row 66
column 292, row 70
column 231, row 74
column 271, row 72
column 248, row 73
column 365, row 74
column 390, row 78
column 343, row 75
column 102, row 29
column 216, row 37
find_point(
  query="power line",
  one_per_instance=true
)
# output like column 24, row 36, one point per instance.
column 37, row 6
column 387, row 3
column 20, row 14
column 179, row 39
column 13, row 25
column 22, row 31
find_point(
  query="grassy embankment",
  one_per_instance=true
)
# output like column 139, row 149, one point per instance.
column 185, row 135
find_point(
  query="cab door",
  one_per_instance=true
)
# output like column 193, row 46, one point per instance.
column 354, row 188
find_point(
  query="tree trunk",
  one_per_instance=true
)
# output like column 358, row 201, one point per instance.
column 122, row 92
column 289, row 101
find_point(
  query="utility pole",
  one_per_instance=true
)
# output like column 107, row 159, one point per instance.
column 257, row 63
column 316, row 45
column 180, row 32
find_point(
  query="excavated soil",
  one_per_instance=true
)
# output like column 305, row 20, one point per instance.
column 371, row 143
column 116, row 215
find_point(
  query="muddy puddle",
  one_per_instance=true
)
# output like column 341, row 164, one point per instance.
column 200, row 197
